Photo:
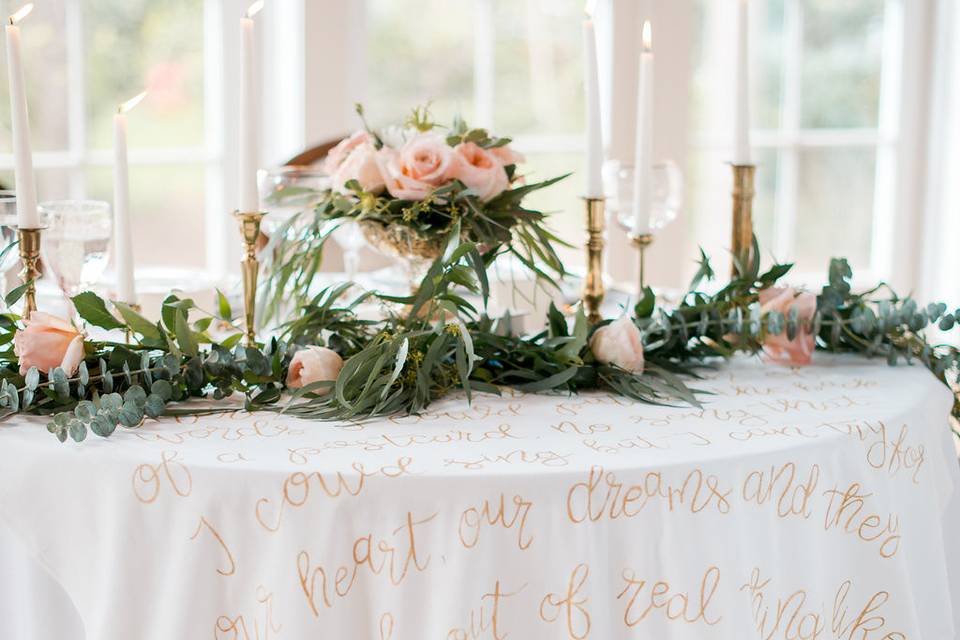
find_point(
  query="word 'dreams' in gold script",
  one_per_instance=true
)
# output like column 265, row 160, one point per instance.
column 603, row 495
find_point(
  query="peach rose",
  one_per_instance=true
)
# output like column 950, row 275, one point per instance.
column 47, row 342
column 313, row 364
column 506, row 155
column 479, row 169
column 420, row 166
column 337, row 155
column 619, row 343
column 798, row 351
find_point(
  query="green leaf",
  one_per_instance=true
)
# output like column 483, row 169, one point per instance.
column 78, row 430
column 163, row 389
column 185, row 337
column 14, row 296
column 32, row 379
column 135, row 394
column 154, row 405
column 93, row 309
column 137, row 323
column 130, row 414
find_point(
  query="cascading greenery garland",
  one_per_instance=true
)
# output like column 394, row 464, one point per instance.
column 404, row 361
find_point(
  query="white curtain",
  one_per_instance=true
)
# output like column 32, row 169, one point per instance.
column 940, row 246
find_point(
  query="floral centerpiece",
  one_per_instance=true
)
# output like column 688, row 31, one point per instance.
column 408, row 187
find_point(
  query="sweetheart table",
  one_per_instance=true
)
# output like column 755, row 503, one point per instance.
column 816, row 502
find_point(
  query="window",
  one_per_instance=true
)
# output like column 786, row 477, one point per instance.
column 825, row 110
column 84, row 57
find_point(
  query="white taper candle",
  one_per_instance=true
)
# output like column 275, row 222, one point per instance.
column 594, row 133
column 741, row 110
column 643, row 159
column 247, row 153
column 27, row 215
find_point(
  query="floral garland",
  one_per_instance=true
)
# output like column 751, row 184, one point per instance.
column 329, row 364
column 418, row 181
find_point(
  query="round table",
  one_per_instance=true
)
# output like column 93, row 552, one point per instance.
column 797, row 503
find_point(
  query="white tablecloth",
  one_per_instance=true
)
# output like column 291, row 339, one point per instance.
column 798, row 503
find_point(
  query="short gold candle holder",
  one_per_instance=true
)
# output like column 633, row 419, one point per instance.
column 743, row 192
column 593, row 291
column 29, row 243
column 250, row 266
column 642, row 242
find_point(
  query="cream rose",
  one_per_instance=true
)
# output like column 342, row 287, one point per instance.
column 417, row 168
column 619, row 343
column 781, row 348
column 313, row 364
column 337, row 155
column 479, row 169
column 47, row 342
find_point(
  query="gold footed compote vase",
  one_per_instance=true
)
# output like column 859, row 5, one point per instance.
column 414, row 250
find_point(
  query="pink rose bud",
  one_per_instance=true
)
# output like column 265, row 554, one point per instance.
column 313, row 364
column 619, row 343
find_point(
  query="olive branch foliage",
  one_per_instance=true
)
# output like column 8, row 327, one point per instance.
column 436, row 341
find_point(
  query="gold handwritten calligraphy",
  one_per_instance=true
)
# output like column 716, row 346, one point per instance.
column 374, row 555
column 644, row 598
column 473, row 519
column 484, row 619
column 223, row 545
column 149, row 478
column 571, row 604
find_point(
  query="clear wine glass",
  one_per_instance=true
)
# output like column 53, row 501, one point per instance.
column 286, row 191
column 667, row 193
column 10, row 262
column 76, row 242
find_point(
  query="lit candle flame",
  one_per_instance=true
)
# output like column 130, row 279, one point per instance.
column 21, row 13
column 590, row 8
column 647, row 36
column 254, row 8
column 132, row 102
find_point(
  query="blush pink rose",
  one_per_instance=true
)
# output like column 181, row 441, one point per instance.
column 798, row 351
column 417, row 168
column 355, row 159
column 619, row 343
column 479, row 169
column 47, row 342
column 337, row 155
column 313, row 364
column 506, row 155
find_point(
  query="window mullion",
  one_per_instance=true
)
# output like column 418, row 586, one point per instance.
column 788, row 167
column 76, row 98
column 484, row 62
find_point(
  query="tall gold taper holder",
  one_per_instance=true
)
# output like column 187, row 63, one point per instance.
column 250, row 233
column 641, row 242
column 743, row 192
column 29, row 240
column 593, row 290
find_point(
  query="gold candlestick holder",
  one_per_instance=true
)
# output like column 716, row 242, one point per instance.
column 743, row 192
column 593, row 291
column 642, row 241
column 250, row 266
column 29, row 240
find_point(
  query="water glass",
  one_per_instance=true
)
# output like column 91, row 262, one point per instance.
column 286, row 191
column 667, row 193
column 76, row 242
column 10, row 261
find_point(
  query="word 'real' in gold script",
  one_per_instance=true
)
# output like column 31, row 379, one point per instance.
column 149, row 478
column 474, row 519
column 602, row 495
column 571, row 605
column 298, row 486
column 486, row 618
column 376, row 556
column 644, row 598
